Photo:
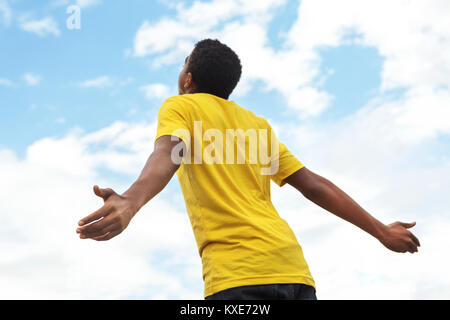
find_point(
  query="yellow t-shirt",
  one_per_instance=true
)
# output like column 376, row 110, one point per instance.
column 240, row 236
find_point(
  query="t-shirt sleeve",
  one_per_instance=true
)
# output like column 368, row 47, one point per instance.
column 287, row 162
column 173, row 120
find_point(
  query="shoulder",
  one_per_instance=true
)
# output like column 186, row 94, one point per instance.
column 177, row 104
column 263, row 122
column 260, row 120
column 183, row 102
column 175, row 100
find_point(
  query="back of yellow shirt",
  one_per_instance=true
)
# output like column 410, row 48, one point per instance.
column 225, row 178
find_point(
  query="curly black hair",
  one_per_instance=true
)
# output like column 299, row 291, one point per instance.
column 215, row 68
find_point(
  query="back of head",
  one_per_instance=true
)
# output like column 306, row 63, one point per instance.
column 215, row 68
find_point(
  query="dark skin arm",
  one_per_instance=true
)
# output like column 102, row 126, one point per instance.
column 118, row 210
column 325, row 194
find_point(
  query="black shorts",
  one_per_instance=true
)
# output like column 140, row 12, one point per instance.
column 277, row 291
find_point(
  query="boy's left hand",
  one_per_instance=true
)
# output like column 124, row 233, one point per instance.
column 398, row 238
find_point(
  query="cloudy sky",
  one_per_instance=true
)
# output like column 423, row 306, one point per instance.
column 357, row 89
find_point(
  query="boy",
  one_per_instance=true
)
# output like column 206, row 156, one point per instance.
column 247, row 250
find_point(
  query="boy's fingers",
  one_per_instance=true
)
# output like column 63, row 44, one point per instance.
column 103, row 211
column 100, row 238
column 408, row 225
column 101, row 232
column 416, row 241
column 107, row 236
column 97, row 225
column 103, row 193
column 412, row 247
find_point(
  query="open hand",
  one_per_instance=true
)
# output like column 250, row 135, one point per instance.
column 108, row 221
column 398, row 238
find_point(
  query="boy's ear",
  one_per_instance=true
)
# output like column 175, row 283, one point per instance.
column 189, row 81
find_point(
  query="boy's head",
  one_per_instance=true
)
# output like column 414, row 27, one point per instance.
column 212, row 67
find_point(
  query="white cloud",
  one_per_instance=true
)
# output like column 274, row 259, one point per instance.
column 156, row 91
column 42, row 27
column 60, row 120
column 80, row 3
column 5, row 12
column 39, row 233
column 32, row 79
column 309, row 101
column 383, row 155
column 105, row 82
column 43, row 258
column 393, row 180
column 380, row 155
column 290, row 72
column 411, row 40
column 87, row 3
column 100, row 82
column 194, row 21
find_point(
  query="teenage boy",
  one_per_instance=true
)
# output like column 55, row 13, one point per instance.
column 247, row 250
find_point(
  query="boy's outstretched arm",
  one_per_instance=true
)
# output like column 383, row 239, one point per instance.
column 324, row 193
column 118, row 210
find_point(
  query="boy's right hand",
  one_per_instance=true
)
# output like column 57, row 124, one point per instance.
column 108, row 221
column 398, row 238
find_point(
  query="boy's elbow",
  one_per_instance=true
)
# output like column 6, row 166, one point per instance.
column 314, row 191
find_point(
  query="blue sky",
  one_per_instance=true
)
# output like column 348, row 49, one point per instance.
column 71, row 58
column 361, row 103
column 57, row 103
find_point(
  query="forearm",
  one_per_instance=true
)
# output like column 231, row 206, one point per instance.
column 324, row 193
column 331, row 198
column 156, row 174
